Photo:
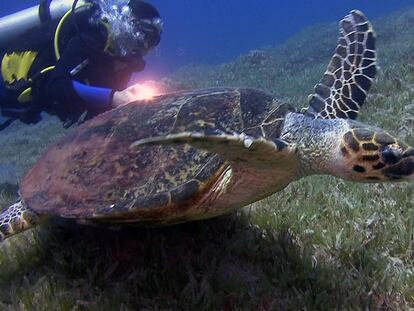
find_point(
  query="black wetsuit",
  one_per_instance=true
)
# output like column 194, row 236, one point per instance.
column 84, row 78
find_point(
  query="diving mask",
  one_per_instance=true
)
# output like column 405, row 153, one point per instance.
column 130, row 34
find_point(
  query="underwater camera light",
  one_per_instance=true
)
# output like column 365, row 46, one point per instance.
column 146, row 90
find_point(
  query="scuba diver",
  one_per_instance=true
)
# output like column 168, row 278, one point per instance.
column 75, row 60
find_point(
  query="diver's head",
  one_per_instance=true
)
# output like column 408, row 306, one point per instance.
column 134, row 27
column 148, row 23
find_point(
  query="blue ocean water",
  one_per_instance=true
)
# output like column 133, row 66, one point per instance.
column 216, row 31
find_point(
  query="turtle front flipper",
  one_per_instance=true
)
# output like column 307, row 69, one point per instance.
column 17, row 218
column 249, row 170
column 348, row 78
column 234, row 147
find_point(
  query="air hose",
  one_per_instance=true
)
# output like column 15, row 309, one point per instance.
column 63, row 21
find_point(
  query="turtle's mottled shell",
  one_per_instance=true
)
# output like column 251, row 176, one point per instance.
column 93, row 173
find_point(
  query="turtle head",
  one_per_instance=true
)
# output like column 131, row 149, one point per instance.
column 370, row 154
column 348, row 149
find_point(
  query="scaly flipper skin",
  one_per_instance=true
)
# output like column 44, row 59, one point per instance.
column 234, row 147
column 348, row 78
column 254, row 168
column 17, row 218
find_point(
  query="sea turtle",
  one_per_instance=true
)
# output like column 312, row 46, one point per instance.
column 198, row 154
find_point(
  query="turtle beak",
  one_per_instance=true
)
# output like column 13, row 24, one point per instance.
column 400, row 163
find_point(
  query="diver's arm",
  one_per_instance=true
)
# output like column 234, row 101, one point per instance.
column 96, row 97
column 59, row 87
column 62, row 86
column 104, row 98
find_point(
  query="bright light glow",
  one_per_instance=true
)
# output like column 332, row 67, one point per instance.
column 146, row 90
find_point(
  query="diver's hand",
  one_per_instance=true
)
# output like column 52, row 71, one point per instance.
column 133, row 93
column 126, row 96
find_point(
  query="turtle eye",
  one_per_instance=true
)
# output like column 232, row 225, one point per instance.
column 391, row 155
column 403, row 169
column 375, row 155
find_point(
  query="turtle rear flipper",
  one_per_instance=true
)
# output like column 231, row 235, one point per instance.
column 257, row 152
column 17, row 218
column 348, row 78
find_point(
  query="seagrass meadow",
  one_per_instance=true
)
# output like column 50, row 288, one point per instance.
column 321, row 244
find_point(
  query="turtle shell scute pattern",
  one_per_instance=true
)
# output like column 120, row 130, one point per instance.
column 93, row 173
